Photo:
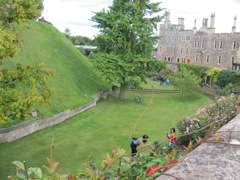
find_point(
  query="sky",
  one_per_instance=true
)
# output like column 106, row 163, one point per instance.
column 76, row 14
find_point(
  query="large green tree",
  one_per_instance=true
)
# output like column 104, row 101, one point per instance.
column 22, row 86
column 126, row 41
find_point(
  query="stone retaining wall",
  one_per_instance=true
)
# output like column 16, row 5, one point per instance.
column 23, row 129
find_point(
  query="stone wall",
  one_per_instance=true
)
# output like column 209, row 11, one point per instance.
column 23, row 129
column 198, row 47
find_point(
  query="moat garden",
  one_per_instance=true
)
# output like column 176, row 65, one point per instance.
column 98, row 131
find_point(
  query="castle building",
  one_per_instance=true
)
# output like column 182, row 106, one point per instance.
column 200, row 47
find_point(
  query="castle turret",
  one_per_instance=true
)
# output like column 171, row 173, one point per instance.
column 212, row 20
column 234, row 25
column 205, row 23
column 167, row 21
column 211, row 29
column 194, row 27
column 180, row 25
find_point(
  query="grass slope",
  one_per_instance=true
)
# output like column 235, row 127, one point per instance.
column 75, row 80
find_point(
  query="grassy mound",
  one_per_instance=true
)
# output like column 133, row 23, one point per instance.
column 75, row 80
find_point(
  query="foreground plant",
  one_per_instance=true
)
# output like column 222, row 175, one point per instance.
column 118, row 165
column 209, row 118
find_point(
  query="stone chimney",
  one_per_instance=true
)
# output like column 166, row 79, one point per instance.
column 234, row 25
column 180, row 25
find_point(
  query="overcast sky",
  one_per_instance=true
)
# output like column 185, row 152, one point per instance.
column 76, row 14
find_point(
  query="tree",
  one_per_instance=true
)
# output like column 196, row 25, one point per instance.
column 22, row 89
column 126, row 41
column 14, row 12
column 67, row 32
column 186, row 82
column 22, row 86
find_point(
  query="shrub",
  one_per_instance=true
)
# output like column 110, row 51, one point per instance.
column 213, row 73
column 226, row 77
column 199, row 71
column 209, row 118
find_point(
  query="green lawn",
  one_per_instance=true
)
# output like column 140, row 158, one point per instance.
column 99, row 130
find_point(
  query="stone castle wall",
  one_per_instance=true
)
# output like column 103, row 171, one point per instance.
column 203, row 47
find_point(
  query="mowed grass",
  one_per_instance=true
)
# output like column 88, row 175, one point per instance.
column 99, row 130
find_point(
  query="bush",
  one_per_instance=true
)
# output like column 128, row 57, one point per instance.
column 199, row 71
column 209, row 118
column 226, row 77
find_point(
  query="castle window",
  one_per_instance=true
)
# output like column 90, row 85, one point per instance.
column 188, row 38
column 169, row 58
column 188, row 61
column 207, row 58
column 178, row 60
column 165, row 58
column 187, row 51
column 234, row 44
column 219, row 59
column 215, row 44
column 183, row 38
column 220, row 46
column 232, row 60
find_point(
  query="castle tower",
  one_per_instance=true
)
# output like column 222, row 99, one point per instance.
column 205, row 23
column 212, row 20
column 180, row 25
column 167, row 21
column 234, row 25
column 211, row 29
column 195, row 27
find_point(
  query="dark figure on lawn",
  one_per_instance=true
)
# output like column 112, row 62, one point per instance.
column 136, row 142
column 162, row 81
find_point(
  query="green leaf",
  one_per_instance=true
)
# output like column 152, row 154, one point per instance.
column 19, row 164
column 21, row 176
column 37, row 171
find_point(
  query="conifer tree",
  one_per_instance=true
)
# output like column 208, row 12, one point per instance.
column 126, row 41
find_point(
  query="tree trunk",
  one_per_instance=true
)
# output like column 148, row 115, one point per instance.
column 122, row 92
